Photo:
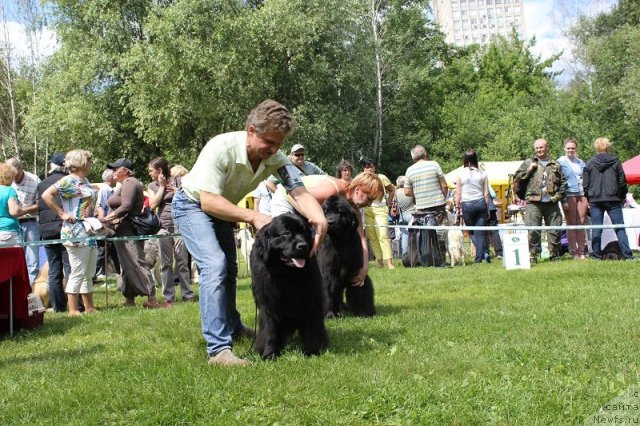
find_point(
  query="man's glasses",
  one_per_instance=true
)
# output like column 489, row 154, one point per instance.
column 299, row 154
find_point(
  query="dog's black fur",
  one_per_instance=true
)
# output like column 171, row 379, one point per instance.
column 287, row 288
column 340, row 258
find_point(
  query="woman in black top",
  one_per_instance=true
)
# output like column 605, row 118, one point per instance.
column 161, row 191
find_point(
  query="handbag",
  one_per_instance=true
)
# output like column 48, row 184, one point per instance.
column 146, row 223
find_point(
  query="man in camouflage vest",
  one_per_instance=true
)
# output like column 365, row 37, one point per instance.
column 546, row 186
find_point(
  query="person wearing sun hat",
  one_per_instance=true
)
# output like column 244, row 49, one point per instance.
column 128, row 200
column 50, row 225
column 306, row 167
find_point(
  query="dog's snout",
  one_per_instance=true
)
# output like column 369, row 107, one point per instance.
column 301, row 245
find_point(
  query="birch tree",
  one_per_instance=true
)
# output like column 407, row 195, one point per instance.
column 9, row 119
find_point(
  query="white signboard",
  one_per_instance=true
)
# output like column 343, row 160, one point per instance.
column 515, row 253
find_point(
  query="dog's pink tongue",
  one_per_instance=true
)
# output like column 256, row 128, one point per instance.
column 299, row 263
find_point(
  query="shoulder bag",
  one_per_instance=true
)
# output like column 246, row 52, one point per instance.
column 146, row 223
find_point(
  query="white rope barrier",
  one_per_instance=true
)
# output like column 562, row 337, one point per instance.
column 500, row 227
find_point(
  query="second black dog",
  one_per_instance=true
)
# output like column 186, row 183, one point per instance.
column 287, row 288
column 340, row 258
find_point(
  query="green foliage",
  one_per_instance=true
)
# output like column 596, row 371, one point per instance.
column 449, row 346
column 145, row 78
column 609, row 46
column 500, row 101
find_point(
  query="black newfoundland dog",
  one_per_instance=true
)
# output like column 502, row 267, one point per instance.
column 287, row 288
column 340, row 258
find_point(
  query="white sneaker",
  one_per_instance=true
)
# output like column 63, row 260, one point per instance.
column 227, row 358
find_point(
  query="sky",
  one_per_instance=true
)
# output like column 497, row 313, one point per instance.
column 547, row 20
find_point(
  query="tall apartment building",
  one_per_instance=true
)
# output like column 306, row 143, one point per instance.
column 465, row 22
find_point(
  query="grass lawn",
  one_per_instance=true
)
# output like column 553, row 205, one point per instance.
column 468, row 345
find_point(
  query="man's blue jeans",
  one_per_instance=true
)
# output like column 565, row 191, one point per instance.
column 211, row 243
column 58, row 262
column 31, row 232
column 614, row 209
column 474, row 213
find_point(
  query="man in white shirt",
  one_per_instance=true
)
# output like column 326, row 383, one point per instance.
column 228, row 167
column 25, row 184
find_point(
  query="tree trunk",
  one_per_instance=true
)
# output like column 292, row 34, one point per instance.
column 33, row 19
column 11, row 130
column 377, row 142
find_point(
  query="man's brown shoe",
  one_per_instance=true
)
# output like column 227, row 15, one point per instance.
column 227, row 358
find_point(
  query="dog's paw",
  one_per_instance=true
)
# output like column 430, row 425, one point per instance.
column 331, row 315
column 270, row 356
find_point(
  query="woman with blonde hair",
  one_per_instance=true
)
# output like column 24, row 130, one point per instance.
column 78, row 203
column 606, row 187
column 178, row 170
column 10, row 208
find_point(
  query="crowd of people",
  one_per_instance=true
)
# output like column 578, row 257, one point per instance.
column 202, row 206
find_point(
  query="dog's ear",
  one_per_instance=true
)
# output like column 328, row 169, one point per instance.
column 261, row 243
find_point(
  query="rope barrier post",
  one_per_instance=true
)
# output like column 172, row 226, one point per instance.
column 106, row 274
column 11, row 307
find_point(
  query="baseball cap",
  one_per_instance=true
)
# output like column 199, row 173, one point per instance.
column 121, row 162
column 297, row 147
column 57, row 159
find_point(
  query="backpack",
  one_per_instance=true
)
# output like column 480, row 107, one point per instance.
column 520, row 187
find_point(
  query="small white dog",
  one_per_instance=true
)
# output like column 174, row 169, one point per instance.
column 455, row 246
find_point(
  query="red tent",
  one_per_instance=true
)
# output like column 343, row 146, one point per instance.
column 632, row 170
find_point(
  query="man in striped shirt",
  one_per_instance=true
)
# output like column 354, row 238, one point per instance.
column 25, row 184
column 426, row 183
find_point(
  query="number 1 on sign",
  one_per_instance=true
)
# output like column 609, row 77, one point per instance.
column 516, row 252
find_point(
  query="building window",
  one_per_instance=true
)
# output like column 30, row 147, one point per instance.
column 498, row 11
column 498, row 1
column 489, row 2
column 489, row 11
column 480, row 2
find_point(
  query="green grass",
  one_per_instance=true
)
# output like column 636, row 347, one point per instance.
column 469, row 345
